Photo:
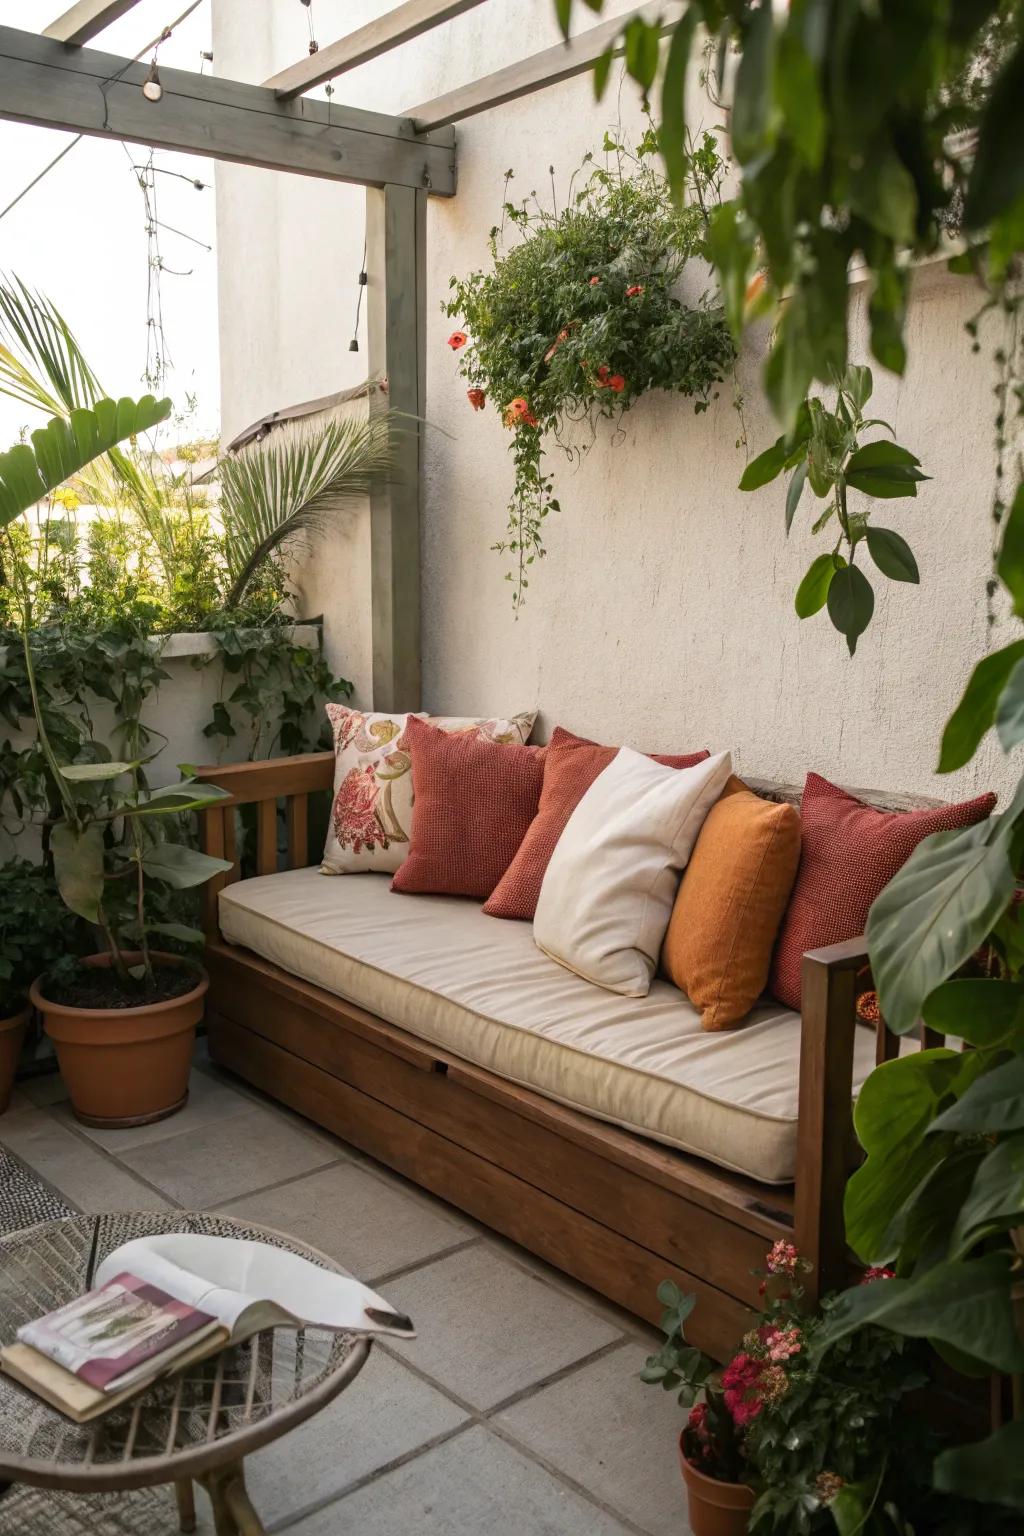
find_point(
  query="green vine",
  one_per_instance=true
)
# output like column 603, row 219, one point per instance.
column 581, row 317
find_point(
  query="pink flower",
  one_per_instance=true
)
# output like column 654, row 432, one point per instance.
column 594, row 282
column 634, row 290
column 698, row 1420
column 783, row 1258
column 354, row 813
column 877, row 1272
column 780, row 1343
column 741, row 1381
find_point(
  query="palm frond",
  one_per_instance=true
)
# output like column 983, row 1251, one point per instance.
column 41, row 363
column 285, row 486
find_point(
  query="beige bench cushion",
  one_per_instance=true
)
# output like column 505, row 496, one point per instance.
column 480, row 988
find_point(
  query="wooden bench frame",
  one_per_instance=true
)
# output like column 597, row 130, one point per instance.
column 616, row 1211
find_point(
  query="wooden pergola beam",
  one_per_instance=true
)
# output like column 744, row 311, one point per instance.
column 84, row 91
column 84, row 20
column 401, row 25
column 535, row 73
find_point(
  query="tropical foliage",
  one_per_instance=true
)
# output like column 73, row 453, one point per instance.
column 824, row 453
column 873, row 133
column 579, row 316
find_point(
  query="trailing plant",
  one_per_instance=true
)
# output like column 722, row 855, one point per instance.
column 824, row 452
column 580, row 317
column 34, row 930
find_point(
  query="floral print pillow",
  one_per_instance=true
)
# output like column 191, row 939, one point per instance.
column 372, row 814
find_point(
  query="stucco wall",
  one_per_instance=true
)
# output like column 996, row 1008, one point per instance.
column 663, row 615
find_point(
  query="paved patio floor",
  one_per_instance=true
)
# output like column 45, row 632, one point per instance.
column 516, row 1412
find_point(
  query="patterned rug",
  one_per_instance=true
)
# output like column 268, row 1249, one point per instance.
column 25, row 1200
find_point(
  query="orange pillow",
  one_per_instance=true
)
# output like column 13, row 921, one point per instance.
column 573, row 763
column 730, row 905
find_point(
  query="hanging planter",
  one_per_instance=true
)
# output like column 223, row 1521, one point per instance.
column 580, row 318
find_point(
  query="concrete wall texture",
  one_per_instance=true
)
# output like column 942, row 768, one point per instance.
column 663, row 616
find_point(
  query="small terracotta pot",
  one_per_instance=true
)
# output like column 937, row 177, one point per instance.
column 12, row 1034
column 125, row 1066
column 716, row 1509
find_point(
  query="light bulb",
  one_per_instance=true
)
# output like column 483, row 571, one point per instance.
column 151, row 87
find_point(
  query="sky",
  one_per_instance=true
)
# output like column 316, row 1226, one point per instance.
column 79, row 236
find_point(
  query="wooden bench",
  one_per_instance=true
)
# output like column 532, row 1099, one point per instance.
column 614, row 1210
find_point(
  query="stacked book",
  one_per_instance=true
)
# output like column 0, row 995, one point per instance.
column 160, row 1304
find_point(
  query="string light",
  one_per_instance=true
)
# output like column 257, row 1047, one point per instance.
column 314, row 46
column 353, row 345
column 151, row 87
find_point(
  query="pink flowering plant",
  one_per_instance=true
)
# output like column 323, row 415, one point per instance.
column 825, row 1438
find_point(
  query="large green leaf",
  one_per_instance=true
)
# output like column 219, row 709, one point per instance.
column 796, row 489
column 892, row 554
column 884, row 469
column 812, row 593
column 982, row 1012
column 62, row 448
column 172, row 799
column 962, row 1303
column 996, row 1197
column 765, row 467
column 1010, row 565
column 1010, row 710
column 994, row 1103
column 991, row 1470
column 934, row 913
column 851, row 602
column 181, row 867
column 78, row 866
column 673, row 128
column 799, row 96
column 96, row 773
column 753, row 100
column 976, row 712
column 997, row 177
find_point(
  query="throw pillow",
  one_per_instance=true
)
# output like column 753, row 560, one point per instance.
column 850, row 852
column 718, row 948
column 609, row 889
column 372, row 817
column 571, row 766
column 475, row 799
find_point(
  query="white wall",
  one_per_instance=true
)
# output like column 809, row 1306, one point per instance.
column 663, row 615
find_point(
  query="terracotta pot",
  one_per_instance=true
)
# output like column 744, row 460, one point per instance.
column 125, row 1066
column 716, row 1509
column 12, row 1033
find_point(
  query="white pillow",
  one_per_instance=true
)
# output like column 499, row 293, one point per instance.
column 611, row 884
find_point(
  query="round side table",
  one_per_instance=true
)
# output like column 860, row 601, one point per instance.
column 198, row 1426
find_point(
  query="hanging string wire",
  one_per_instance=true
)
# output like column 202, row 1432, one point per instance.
column 104, row 85
column 353, row 345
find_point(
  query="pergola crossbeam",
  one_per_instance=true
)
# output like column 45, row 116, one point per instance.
column 85, row 19
column 535, row 73
column 83, row 91
column 395, row 27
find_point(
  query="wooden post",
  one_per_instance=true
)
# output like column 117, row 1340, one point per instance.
column 396, row 225
column 825, row 1140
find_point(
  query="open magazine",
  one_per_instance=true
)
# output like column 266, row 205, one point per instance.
column 161, row 1303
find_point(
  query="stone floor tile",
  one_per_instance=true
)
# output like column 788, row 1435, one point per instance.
column 83, row 1173
column 229, row 1158
column 46, row 1088
column 617, row 1317
column 473, row 1485
column 208, row 1102
column 487, row 1328
column 385, row 1414
column 605, row 1429
column 366, row 1224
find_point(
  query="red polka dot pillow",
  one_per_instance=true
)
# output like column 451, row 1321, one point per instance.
column 850, row 852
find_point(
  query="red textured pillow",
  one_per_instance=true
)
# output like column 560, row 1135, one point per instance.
column 850, row 852
column 572, row 765
column 475, row 799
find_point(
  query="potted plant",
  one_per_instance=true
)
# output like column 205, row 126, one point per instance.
column 33, row 931
column 786, row 1439
column 122, row 1020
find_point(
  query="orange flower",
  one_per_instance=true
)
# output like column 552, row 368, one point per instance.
column 518, row 413
column 457, row 339
column 617, row 382
column 634, row 291
column 476, row 398
column 563, row 335
column 594, row 282
column 602, row 375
